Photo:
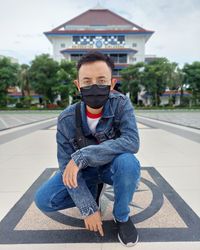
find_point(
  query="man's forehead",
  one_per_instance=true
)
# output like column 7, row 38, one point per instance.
column 95, row 67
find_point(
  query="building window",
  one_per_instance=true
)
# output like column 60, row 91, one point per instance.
column 113, row 40
column 123, row 58
column 91, row 38
column 121, row 39
column 116, row 72
column 134, row 45
column 76, row 39
column 119, row 58
column 76, row 57
column 62, row 45
column 114, row 57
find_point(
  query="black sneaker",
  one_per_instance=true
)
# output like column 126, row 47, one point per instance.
column 127, row 233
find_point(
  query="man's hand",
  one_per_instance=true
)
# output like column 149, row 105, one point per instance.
column 93, row 223
column 70, row 174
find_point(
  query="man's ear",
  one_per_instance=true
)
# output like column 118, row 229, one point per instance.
column 113, row 82
column 76, row 82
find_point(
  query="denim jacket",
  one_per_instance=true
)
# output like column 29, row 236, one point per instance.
column 118, row 115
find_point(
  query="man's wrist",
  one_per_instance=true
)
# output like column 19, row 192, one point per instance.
column 79, row 159
column 87, row 211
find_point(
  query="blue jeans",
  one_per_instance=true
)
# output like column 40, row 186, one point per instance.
column 123, row 173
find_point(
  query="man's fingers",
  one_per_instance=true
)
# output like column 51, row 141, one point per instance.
column 70, row 175
column 67, row 183
column 68, row 179
column 95, row 227
column 94, row 224
column 72, row 180
column 90, row 227
column 75, row 181
column 64, row 177
column 100, row 229
column 70, row 184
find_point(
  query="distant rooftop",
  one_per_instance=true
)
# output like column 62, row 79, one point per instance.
column 98, row 16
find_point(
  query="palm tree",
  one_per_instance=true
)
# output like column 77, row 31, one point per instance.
column 24, row 82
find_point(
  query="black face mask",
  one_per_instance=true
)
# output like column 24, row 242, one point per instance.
column 95, row 96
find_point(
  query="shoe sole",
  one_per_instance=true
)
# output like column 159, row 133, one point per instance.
column 129, row 244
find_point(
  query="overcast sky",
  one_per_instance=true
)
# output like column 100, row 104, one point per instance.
column 176, row 24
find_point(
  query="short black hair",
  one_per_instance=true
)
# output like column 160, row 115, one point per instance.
column 94, row 56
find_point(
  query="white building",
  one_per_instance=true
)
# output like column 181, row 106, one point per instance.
column 103, row 30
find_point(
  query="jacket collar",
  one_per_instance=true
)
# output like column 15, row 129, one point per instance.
column 107, row 109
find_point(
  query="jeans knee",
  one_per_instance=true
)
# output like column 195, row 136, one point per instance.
column 41, row 202
column 127, row 164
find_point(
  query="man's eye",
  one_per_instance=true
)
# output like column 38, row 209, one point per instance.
column 87, row 82
column 101, row 81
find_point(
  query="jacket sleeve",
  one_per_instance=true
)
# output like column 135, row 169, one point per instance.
column 80, row 195
column 64, row 148
column 103, row 153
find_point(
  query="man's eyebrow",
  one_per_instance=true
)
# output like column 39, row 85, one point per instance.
column 87, row 78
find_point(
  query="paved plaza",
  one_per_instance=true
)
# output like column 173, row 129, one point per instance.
column 10, row 119
column 165, row 208
column 182, row 117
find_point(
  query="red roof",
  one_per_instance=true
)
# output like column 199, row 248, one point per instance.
column 98, row 17
column 19, row 94
column 12, row 91
column 171, row 92
column 96, row 31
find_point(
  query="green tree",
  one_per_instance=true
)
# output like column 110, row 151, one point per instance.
column 24, row 79
column 179, row 83
column 192, row 78
column 43, row 76
column 157, row 75
column 8, row 77
column 65, row 77
column 24, row 84
column 131, row 80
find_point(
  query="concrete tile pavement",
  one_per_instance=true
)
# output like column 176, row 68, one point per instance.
column 70, row 246
column 177, row 159
column 106, row 246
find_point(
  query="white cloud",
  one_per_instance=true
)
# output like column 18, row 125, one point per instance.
column 176, row 26
column 175, row 22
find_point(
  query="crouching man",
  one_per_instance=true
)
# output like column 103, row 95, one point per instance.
column 99, row 148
